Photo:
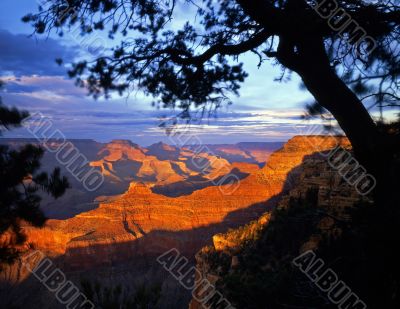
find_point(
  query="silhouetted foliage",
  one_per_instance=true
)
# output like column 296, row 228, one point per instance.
column 143, row 297
column 20, row 180
column 358, row 249
column 366, row 255
column 265, row 277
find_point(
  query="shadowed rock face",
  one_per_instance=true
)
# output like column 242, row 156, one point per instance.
column 143, row 223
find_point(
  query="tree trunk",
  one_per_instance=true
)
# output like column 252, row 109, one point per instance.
column 331, row 92
column 307, row 56
column 375, row 151
column 372, row 148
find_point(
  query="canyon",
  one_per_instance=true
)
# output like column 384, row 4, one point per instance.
column 167, row 169
column 144, row 222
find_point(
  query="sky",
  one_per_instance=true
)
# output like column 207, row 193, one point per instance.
column 266, row 110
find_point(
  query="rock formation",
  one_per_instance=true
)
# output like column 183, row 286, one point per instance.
column 168, row 169
column 332, row 196
column 142, row 222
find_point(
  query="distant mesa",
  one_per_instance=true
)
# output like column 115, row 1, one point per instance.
column 160, row 146
column 163, row 151
column 124, row 142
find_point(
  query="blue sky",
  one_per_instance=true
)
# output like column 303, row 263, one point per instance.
column 265, row 111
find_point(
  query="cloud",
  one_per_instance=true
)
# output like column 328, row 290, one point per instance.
column 22, row 55
column 265, row 111
column 32, row 85
column 118, row 121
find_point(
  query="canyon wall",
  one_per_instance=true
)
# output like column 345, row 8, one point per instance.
column 140, row 222
column 318, row 206
column 139, row 225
